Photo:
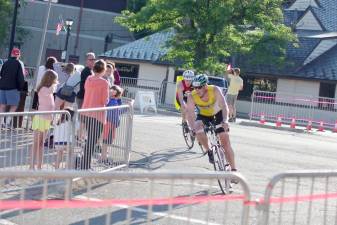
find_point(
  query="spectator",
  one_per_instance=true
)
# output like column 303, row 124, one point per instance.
column 117, row 77
column 109, row 74
column 11, row 83
column 62, row 133
column 42, row 69
column 96, row 95
column 235, row 85
column 72, row 80
column 64, row 71
column 86, row 72
column 113, row 121
column 41, row 123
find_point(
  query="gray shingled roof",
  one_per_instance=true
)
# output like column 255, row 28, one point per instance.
column 151, row 48
column 324, row 67
column 327, row 14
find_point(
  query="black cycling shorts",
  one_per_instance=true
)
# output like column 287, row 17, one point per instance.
column 215, row 120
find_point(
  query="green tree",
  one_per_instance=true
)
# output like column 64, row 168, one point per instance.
column 5, row 18
column 210, row 31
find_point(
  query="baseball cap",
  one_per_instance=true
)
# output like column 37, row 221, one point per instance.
column 15, row 52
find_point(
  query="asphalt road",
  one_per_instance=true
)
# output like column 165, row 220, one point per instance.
column 158, row 145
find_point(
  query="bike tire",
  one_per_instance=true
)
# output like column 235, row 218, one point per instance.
column 221, row 165
column 188, row 137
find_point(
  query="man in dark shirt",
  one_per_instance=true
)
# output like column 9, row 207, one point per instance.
column 86, row 72
column 11, row 82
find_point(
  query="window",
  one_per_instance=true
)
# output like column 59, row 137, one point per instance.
column 326, row 95
column 251, row 83
column 128, row 70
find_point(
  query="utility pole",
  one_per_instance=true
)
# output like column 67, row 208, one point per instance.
column 43, row 39
column 15, row 14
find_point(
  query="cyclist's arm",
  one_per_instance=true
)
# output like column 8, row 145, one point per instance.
column 180, row 94
column 190, row 110
column 222, row 103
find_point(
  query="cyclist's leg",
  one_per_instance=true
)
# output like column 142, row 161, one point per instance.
column 229, row 153
column 224, row 140
column 200, row 133
column 183, row 110
column 183, row 117
column 202, row 137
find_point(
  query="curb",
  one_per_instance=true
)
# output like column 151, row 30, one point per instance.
column 159, row 111
column 256, row 124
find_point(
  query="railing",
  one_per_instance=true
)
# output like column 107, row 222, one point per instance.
column 304, row 197
column 288, row 107
column 39, row 197
column 164, row 91
column 121, row 198
column 96, row 139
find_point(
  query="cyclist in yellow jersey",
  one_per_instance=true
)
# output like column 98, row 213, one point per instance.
column 212, row 108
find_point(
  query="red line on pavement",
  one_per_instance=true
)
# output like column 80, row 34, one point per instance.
column 33, row 204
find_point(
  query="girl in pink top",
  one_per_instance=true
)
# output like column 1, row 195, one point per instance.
column 41, row 123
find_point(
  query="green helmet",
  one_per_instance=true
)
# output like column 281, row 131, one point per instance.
column 200, row 80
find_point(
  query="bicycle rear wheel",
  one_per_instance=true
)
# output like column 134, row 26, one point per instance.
column 221, row 165
column 188, row 137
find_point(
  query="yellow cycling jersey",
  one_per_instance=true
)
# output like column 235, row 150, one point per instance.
column 209, row 107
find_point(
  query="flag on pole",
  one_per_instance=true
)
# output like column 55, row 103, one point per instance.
column 58, row 28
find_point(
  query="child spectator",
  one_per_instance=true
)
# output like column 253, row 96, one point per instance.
column 113, row 121
column 62, row 133
column 42, row 70
column 42, row 123
column 109, row 76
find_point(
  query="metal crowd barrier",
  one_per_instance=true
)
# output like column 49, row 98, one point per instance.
column 54, row 140
column 40, row 197
column 26, row 139
column 164, row 91
column 307, row 197
column 103, row 138
column 317, row 111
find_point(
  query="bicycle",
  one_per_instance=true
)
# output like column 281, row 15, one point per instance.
column 220, row 163
column 188, row 135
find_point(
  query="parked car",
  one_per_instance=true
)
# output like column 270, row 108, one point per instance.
column 220, row 82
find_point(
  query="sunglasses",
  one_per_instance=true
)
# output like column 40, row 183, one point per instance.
column 200, row 87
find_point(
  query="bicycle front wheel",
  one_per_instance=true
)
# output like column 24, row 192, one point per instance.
column 188, row 137
column 221, row 165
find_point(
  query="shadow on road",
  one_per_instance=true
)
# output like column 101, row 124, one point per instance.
column 159, row 158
